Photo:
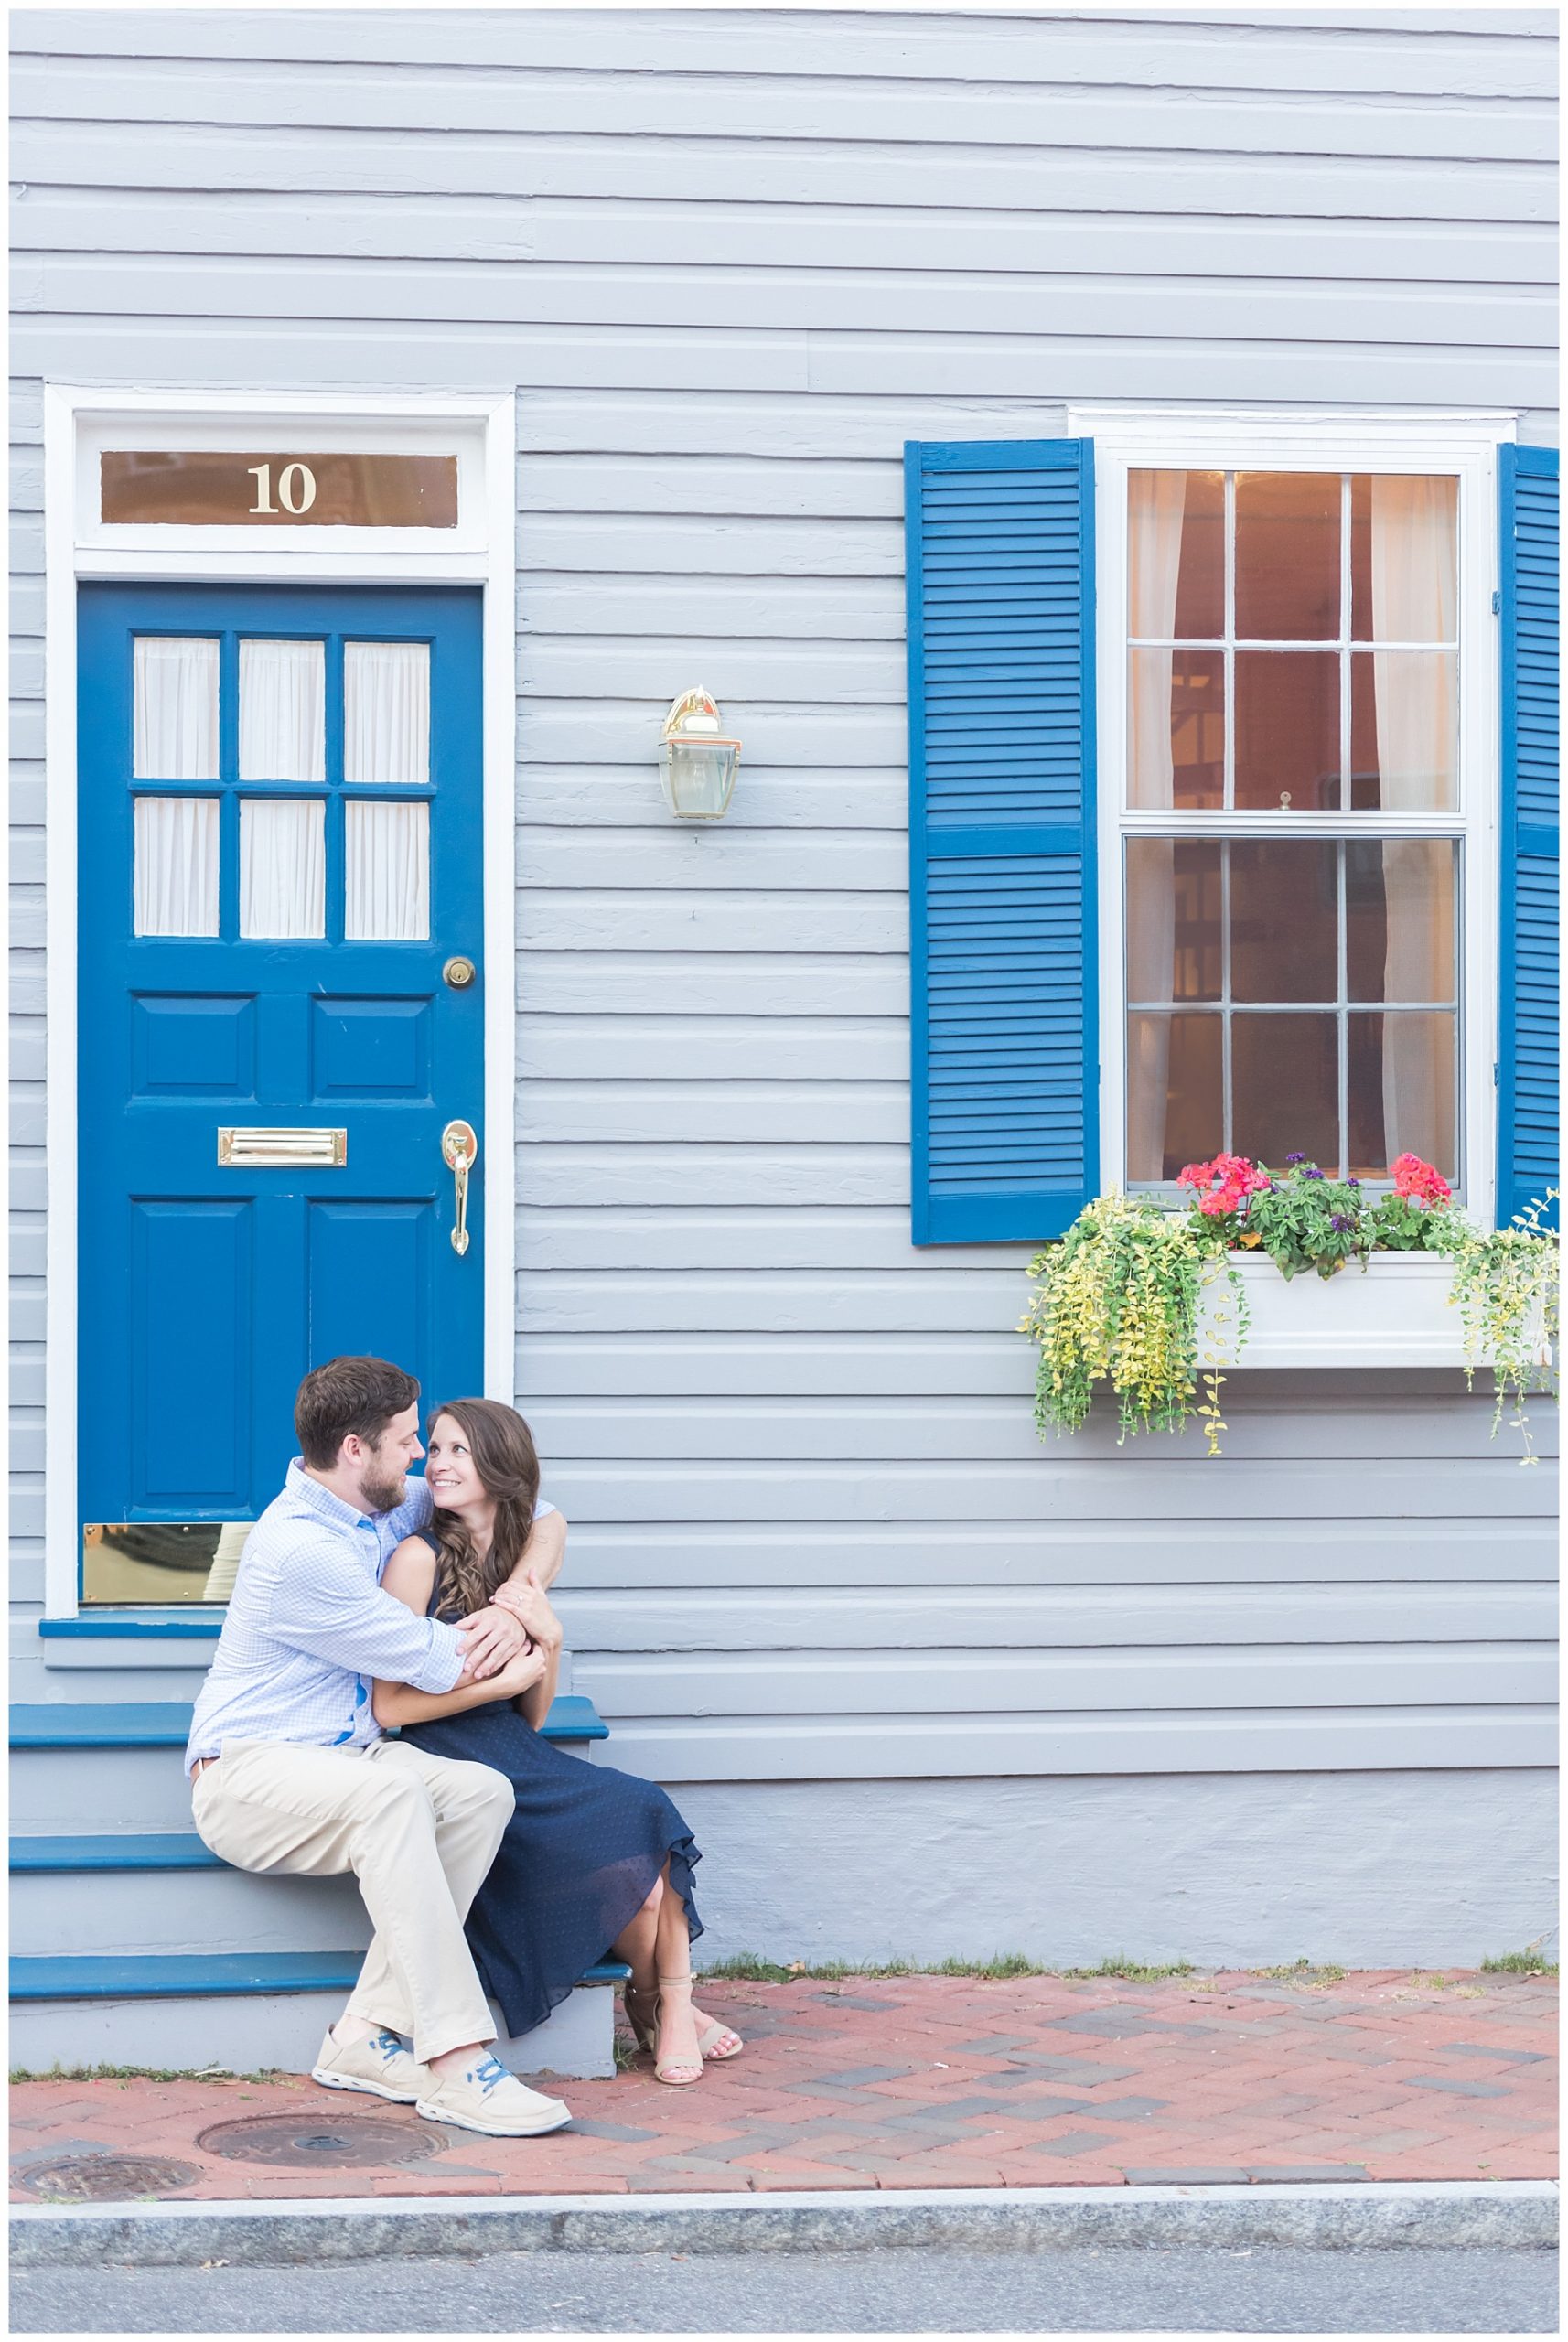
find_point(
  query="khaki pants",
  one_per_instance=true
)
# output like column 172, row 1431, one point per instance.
column 418, row 1831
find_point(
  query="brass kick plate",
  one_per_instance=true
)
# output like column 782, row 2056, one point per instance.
column 281, row 1149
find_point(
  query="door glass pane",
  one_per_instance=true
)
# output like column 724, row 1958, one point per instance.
column 1284, row 919
column 1404, row 731
column 387, row 870
column 1285, row 1074
column 176, row 889
column 1174, row 929
column 1287, row 556
column 1401, row 895
column 282, row 711
column 1405, row 559
column 1402, row 1089
column 1176, row 548
column 1287, row 731
column 386, row 713
column 1176, row 727
column 1174, row 1096
column 282, row 867
column 175, row 728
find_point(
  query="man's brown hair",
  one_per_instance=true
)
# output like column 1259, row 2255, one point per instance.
column 348, row 1397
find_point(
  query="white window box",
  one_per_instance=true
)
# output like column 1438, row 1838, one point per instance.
column 1397, row 1312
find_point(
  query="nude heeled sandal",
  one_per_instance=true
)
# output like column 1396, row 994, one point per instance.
column 709, row 2034
column 679, row 2072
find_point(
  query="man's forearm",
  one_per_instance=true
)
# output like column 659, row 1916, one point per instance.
column 545, row 1549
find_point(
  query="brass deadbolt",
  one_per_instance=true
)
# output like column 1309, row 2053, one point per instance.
column 459, row 972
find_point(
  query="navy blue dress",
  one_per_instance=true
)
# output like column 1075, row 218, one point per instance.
column 577, row 1863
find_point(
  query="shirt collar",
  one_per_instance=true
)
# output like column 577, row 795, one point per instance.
column 308, row 1492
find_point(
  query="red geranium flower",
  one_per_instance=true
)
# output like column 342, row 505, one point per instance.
column 1419, row 1181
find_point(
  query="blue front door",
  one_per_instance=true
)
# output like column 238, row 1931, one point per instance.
column 280, row 888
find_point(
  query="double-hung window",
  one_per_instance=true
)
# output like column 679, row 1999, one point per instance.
column 1233, row 809
column 1292, row 823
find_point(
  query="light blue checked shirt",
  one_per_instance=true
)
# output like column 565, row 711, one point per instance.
column 309, row 1629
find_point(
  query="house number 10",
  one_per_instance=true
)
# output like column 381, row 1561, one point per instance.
column 296, row 488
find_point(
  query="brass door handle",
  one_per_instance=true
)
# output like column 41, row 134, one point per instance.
column 460, row 1150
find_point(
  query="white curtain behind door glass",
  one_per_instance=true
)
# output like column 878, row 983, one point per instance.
column 283, row 867
column 386, row 713
column 176, row 887
column 282, row 711
column 1155, row 503
column 175, row 725
column 1414, row 599
column 387, row 871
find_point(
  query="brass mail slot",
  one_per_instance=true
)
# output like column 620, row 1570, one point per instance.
column 285, row 1149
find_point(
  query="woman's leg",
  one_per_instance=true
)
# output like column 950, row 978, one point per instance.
column 637, row 1944
column 673, row 1949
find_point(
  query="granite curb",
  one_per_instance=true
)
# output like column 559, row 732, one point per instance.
column 1518, row 2214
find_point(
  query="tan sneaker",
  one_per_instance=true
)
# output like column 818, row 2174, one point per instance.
column 380, row 2066
column 485, row 2097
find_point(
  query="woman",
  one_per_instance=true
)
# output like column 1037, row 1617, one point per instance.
column 593, row 1858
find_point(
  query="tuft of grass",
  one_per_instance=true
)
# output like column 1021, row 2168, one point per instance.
column 148, row 2074
column 1528, row 1963
column 1304, row 1971
column 750, row 1968
column 1132, row 1971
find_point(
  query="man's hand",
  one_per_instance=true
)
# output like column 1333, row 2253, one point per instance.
column 488, row 1639
column 526, row 1600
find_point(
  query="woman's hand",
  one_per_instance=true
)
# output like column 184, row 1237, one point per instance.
column 519, row 1674
column 526, row 1600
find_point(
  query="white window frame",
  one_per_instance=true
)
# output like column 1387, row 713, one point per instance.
column 1177, row 439
column 79, row 422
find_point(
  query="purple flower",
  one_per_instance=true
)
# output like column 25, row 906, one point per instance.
column 1352, row 1183
column 1296, row 1158
column 1339, row 1223
column 1312, row 1172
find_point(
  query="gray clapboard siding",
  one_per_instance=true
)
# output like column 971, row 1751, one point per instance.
column 859, row 300
column 627, row 1561
column 914, row 1748
column 761, row 238
column 729, row 271
column 1456, row 55
column 969, row 1619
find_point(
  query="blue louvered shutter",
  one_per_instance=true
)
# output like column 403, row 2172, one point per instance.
column 1527, row 1052
column 1004, row 1069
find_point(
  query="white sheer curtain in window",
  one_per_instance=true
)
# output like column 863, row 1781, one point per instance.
column 1156, row 502
column 282, row 867
column 386, row 713
column 175, row 727
column 387, row 872
column 176, row 887
column 1414, row 599
column 282, row 711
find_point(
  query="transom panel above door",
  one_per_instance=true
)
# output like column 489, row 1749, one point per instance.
column 280, row 1015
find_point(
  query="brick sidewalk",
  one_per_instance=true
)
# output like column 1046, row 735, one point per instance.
column 917, row 2082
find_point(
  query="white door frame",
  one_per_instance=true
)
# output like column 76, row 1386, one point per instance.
column 77, row 546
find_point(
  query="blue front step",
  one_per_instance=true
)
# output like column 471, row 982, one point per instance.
column 150, row 1849
column 166, row 1724
column 198, row 1975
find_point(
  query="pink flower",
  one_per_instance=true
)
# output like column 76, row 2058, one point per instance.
column 1419, row 1181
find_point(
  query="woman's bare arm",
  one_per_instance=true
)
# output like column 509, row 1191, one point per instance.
column 544, row 1551
column 409, row 1576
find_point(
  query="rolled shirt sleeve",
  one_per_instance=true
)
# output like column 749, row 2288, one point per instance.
column 325, row 1605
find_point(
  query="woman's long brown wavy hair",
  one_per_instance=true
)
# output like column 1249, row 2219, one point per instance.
column 502, row 1447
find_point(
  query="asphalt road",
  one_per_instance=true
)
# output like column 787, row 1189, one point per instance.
column 1271, row 2290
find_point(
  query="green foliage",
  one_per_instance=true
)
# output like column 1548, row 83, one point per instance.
column 1506, row 1291
column 1118, row 1297
column 1528, row 1963
column 1133, row 1971
column 1304, row 1971
column 1303, row 1220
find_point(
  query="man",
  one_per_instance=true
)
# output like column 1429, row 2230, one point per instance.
column 290, row 1772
